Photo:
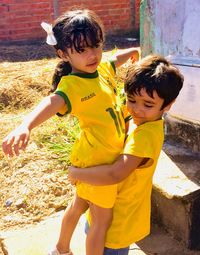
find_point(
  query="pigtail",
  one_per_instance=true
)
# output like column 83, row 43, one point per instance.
column 62, row 69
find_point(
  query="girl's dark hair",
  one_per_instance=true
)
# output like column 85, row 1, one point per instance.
column 63, row 68
column 75, row 29
column 154, row 73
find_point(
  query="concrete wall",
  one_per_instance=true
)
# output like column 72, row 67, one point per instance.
column 172, row 28
column 20, row 20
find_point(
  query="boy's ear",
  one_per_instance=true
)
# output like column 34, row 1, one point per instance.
column 167, row 108
column 63, row 55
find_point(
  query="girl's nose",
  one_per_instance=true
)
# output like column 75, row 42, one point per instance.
column 92, row 53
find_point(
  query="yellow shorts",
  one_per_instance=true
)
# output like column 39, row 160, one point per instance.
column 103, row 196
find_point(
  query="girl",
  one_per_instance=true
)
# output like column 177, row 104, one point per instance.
column 87, row 91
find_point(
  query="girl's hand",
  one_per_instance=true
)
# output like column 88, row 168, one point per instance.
column 136, row 55
column 16, row 140
column 70, row 177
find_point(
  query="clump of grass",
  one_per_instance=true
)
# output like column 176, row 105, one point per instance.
column 58, row 136
column 62, row 147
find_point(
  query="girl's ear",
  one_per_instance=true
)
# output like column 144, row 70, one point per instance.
column 167, row 108
column 63, row 55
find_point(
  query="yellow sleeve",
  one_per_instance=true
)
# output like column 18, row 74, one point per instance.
column 140, row 143
column 62, row 91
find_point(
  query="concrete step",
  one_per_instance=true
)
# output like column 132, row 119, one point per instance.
column 176, row 194
column 35, row 240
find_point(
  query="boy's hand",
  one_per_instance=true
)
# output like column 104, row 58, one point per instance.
column 70, row 177
column 15, row 141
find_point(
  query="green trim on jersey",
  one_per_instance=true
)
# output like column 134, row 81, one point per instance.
column 128, row 118
column 67, row 101
column 113, row 65
column 86, row 75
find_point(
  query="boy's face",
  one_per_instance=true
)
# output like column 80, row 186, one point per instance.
column 144, row 108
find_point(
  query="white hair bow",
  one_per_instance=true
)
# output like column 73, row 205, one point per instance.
column 51, row 40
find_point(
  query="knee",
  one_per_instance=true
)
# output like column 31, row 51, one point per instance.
column 107, row 221
column 102, row 222
column 76, row 209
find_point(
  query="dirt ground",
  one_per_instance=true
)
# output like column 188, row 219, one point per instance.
column 33, row 185
column 26, row 51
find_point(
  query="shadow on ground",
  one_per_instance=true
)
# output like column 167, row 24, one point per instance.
column 27, row 51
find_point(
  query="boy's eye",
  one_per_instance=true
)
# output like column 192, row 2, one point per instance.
column 148, row 106
column 131, row 101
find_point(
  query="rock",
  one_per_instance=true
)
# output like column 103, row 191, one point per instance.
column 20, row 203
column 8, row 202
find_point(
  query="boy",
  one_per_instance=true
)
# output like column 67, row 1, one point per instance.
column 152, row 86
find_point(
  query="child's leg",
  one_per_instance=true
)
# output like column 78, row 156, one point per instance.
column 69, row 222
column 101, row 219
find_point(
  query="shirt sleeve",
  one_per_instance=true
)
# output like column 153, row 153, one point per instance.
column 61, row 91
column 140, row 143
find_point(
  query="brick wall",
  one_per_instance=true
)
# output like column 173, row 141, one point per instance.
column 20, row 19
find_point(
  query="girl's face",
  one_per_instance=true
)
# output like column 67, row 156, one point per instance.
column 144, row 108
column 85, row 61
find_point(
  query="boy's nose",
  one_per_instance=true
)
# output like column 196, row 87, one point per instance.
column 136, row 109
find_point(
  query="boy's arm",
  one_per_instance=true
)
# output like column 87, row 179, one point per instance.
column 123, row 55
column 106, row 174
column 18, row 138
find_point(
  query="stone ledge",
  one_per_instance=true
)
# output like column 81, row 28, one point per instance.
column 176, row 195
column 183, row 131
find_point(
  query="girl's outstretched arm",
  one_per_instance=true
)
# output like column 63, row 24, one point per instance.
column 122, row 56
column 19, row 137
column 106, row 174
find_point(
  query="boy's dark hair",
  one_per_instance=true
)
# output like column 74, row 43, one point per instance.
column 75, row 29
column 154, row 73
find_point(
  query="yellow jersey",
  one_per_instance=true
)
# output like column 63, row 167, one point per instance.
column 92, row 98
column 131, row 213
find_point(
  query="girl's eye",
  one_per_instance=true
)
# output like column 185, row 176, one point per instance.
column 95, row 46
column 101, row 45
column 84, row 49
column 98, row 45
column 80, row 51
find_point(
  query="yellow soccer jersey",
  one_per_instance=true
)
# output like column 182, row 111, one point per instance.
column 131, row 213
column 92, row 99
